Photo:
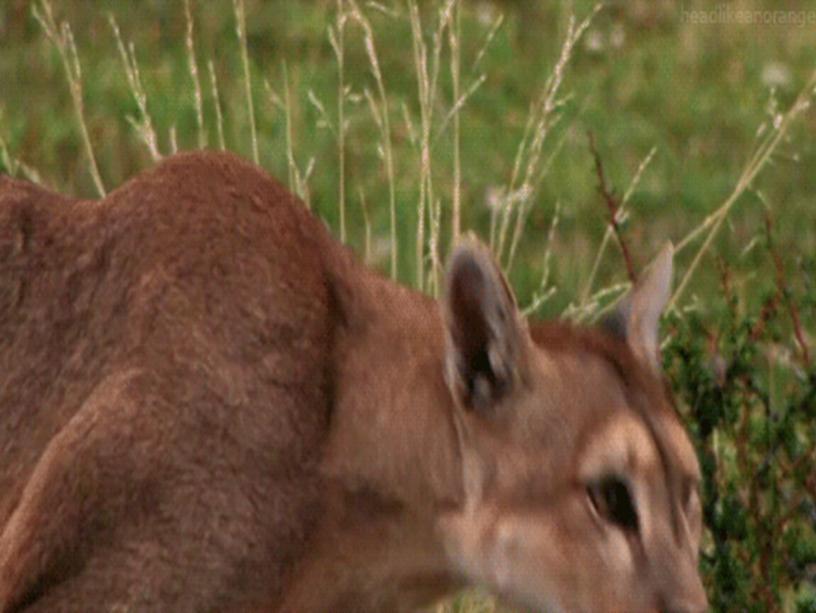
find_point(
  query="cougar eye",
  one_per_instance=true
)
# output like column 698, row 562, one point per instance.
column 611, row 500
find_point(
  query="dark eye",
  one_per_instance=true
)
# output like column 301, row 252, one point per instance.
column 611, row 499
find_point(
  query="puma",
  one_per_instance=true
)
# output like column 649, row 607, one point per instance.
column 208, row 404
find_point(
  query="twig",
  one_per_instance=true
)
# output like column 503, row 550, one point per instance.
column 622, row 215
column 613, row 206
column 766, row 314
column 784, row 292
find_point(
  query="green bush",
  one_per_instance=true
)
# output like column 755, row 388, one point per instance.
column 747, row 391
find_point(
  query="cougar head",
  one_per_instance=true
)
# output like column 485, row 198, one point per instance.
column 580, row 483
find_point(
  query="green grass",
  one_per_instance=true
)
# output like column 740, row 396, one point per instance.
column 640, row 79
column 702, row 97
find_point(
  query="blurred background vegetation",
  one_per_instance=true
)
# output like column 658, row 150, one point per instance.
column 677, row 109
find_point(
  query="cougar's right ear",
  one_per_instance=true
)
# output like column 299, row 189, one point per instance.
column 486, row 337
column 637, row 318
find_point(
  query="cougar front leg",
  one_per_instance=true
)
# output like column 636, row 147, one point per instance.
column 90, row 485
column 116, row 518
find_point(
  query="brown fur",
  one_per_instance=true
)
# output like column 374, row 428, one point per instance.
column 206, row 403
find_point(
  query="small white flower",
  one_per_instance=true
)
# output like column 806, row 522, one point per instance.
column 594, row 41
column 618, row 36
column 494, row 198
column 486, row 13
column 776, row 74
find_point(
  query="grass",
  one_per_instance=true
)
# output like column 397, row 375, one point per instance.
column 641, row 79
column 404, row 124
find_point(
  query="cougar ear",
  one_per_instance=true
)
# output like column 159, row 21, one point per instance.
column 485, row 334
column 637, row 317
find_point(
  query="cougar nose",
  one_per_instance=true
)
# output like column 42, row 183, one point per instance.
column 684, row 592
column 695, row 604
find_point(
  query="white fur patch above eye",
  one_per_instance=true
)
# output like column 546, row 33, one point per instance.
column 621, row 445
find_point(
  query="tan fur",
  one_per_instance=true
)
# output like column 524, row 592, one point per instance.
column 622, row 444
column 207, row 404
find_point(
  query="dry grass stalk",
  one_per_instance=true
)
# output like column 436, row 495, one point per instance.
column 540, row 121
column 240, row 29
column 526, row 205
column 458, row 104
column 63, row 39
column 381, row 115
column 16, row 167
column 496, row 212
column 317, row 104
column 427, row 69
column 545, row 291
column 367, row 224
column 491, row 33
column 759, row 159
column 219, row 117
column 434, row 259
column 287, row 113
column 298, row 181
column 455, row 61
column 597, row 304
column 191, row 60
column 421, row 62
column 11, row 164
column 143, row 126
column 337, row 36
column 173, row 140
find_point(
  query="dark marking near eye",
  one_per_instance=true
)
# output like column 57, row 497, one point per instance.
column 611, row 499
